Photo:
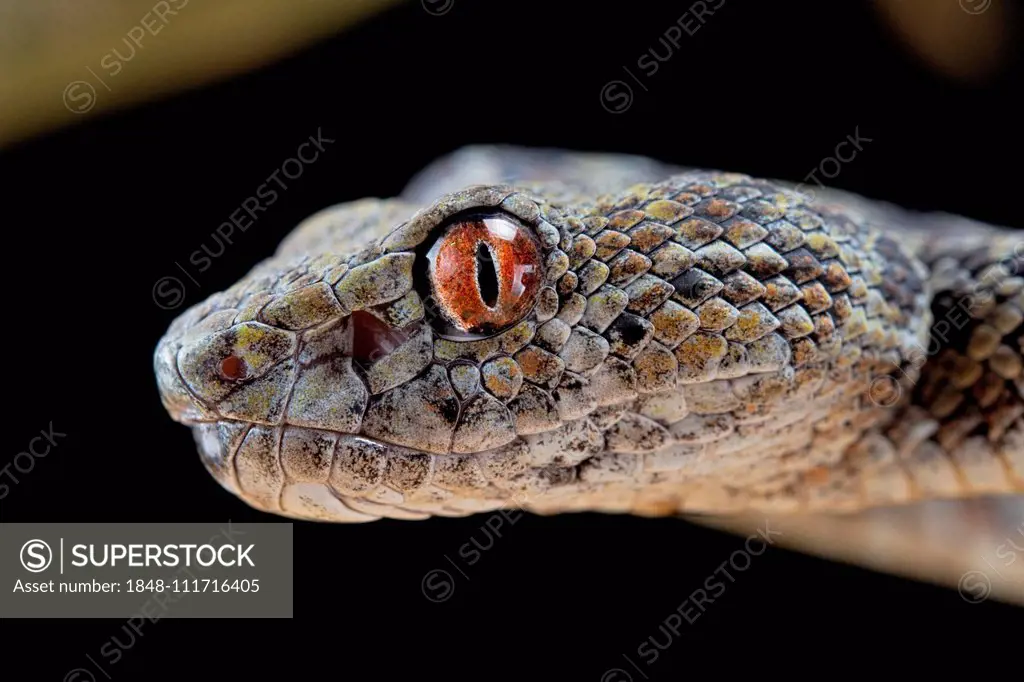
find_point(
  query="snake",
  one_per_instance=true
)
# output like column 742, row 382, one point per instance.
column 573, row 331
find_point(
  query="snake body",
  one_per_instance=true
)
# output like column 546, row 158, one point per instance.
column 701, row 341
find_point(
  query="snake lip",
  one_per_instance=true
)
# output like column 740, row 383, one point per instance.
column 317, row 474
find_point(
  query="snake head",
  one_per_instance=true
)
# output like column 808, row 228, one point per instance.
column 414, row 372
column 563, row 350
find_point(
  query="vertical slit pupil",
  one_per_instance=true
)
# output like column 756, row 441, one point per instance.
column 486, row 275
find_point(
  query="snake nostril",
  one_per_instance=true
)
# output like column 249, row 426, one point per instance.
column 233, row 368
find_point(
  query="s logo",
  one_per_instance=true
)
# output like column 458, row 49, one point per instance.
column 36, row 556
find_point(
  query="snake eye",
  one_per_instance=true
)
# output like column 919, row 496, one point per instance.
column 485, row 272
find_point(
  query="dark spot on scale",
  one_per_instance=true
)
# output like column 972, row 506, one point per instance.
column 233, row 368
column 632, row 330
column 693, row 284
column 450, row 410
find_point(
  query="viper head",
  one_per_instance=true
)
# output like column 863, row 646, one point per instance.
column 521, row 341
column 435, row 366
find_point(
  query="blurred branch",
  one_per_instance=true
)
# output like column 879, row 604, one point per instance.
column 66, row 60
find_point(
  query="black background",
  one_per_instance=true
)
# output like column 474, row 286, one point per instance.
column 96, row 214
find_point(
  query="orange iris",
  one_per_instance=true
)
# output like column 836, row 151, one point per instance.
column 485, row 273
